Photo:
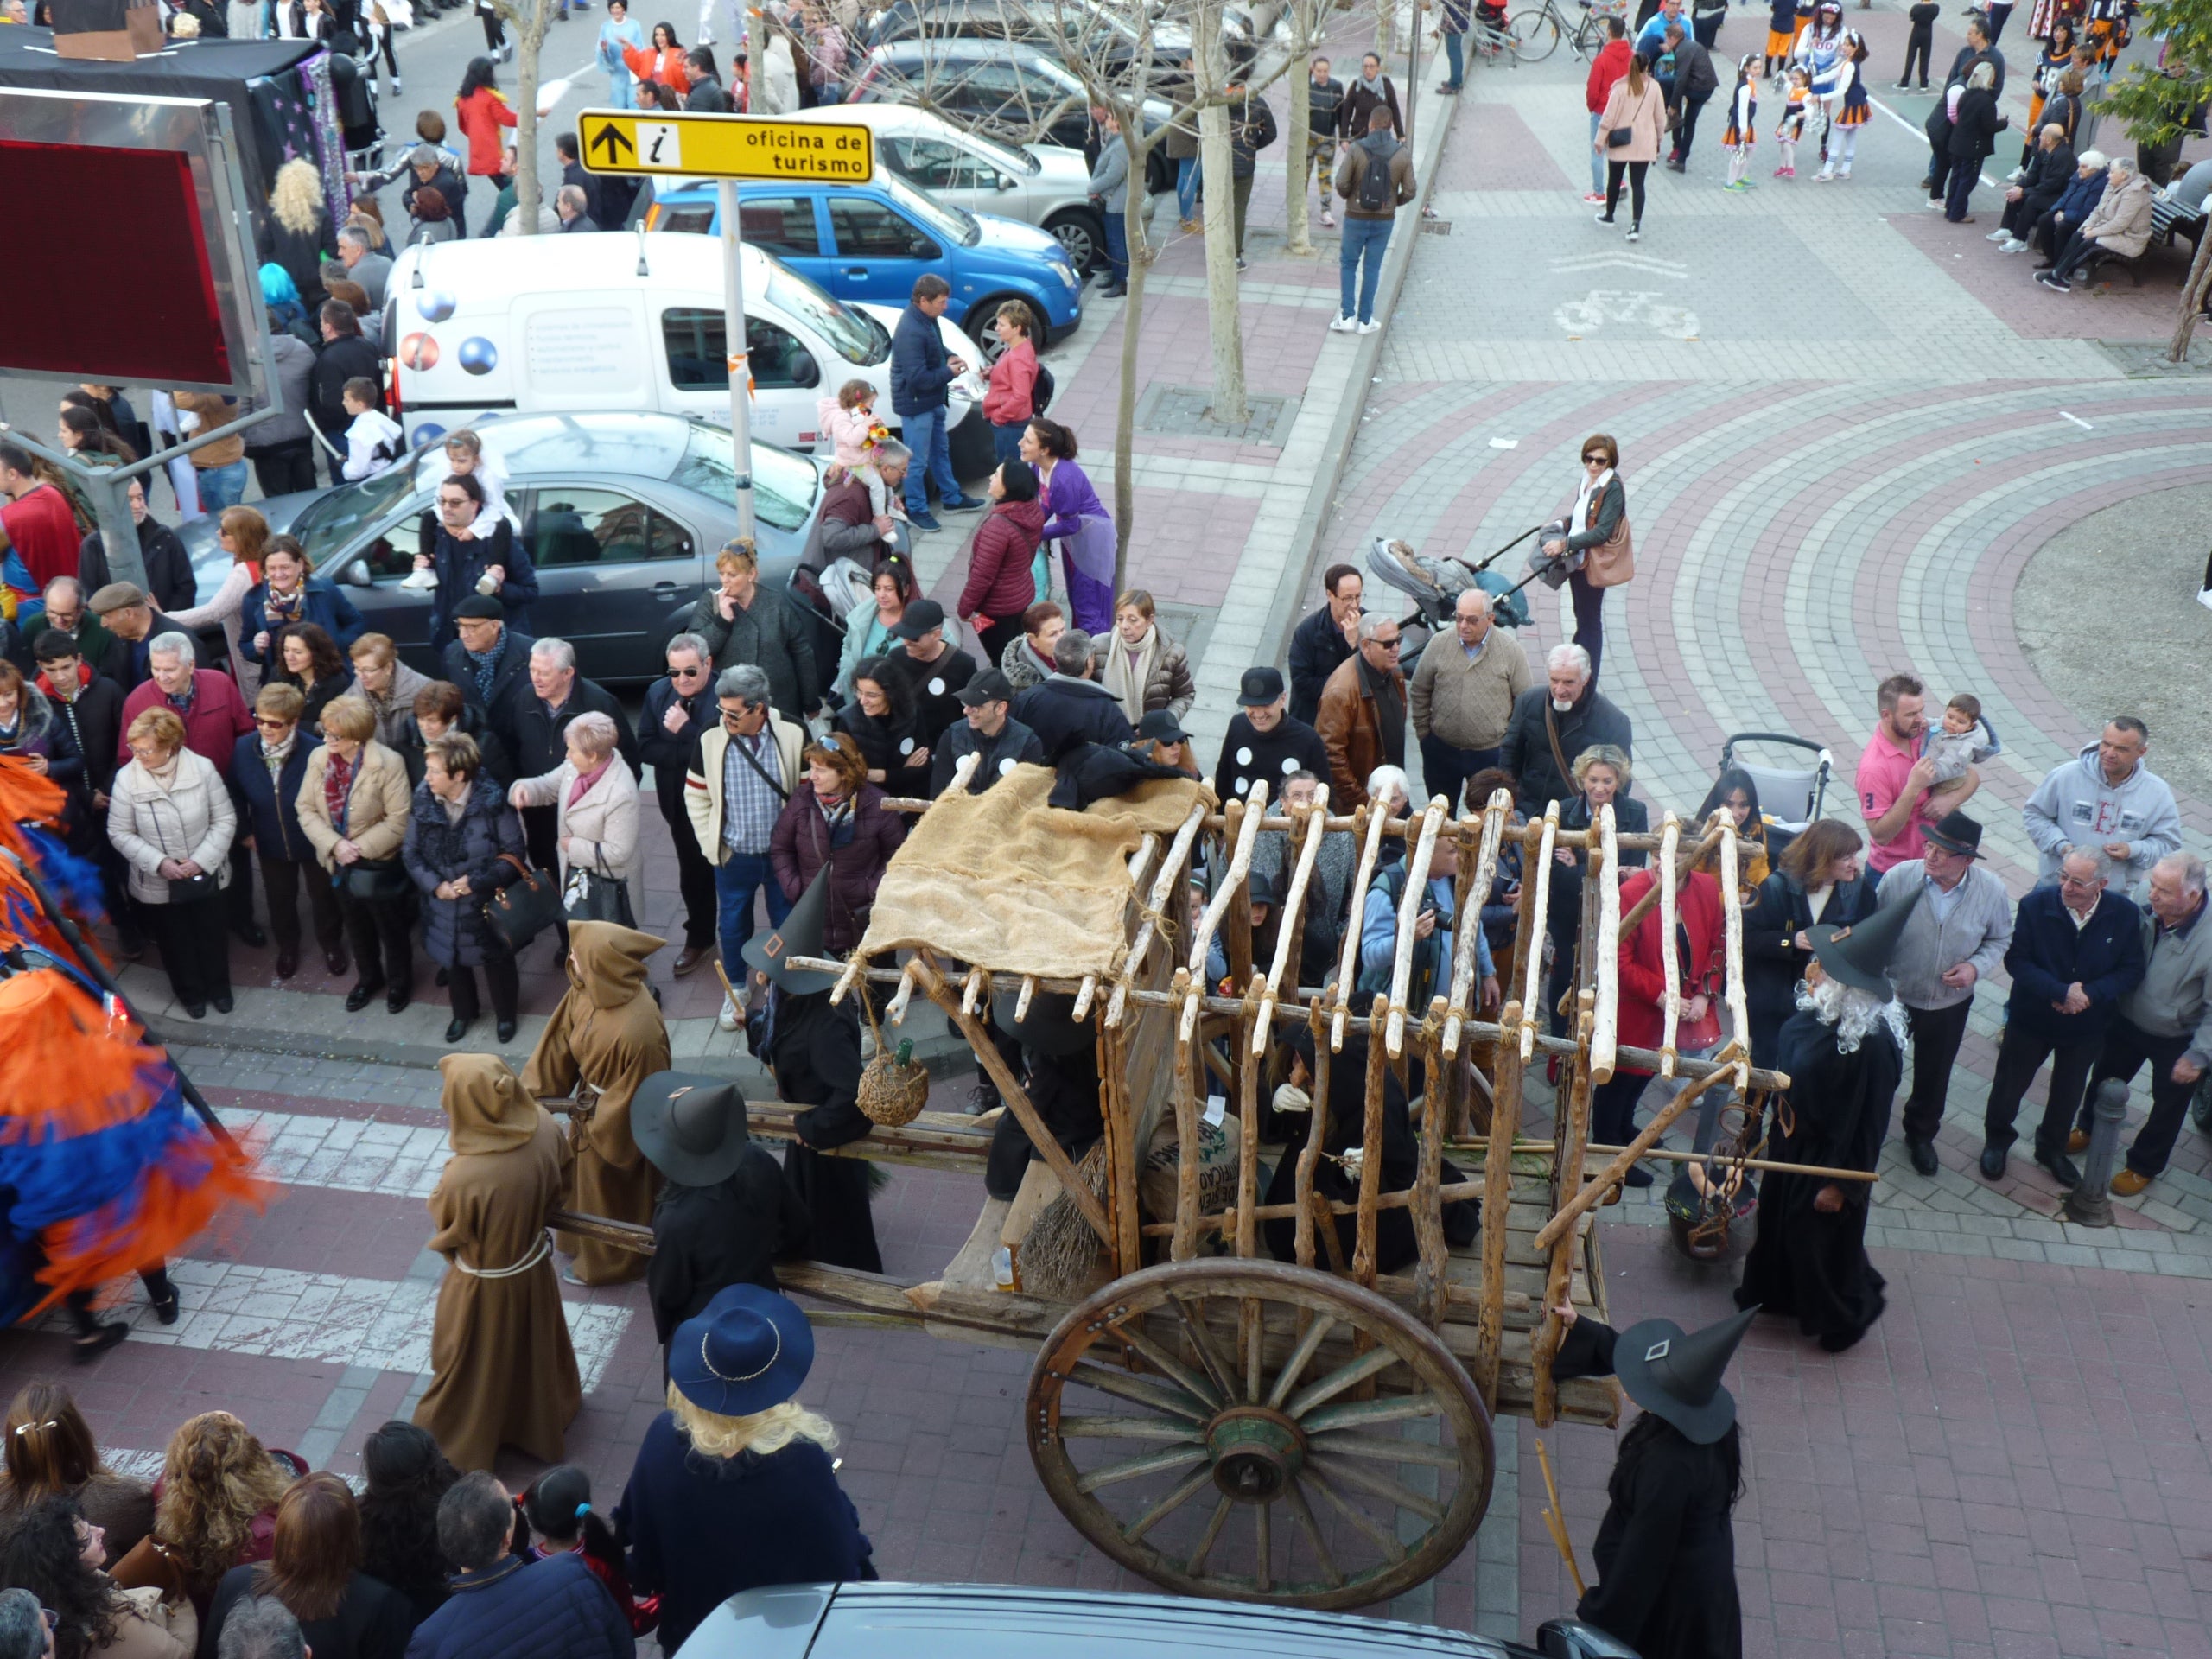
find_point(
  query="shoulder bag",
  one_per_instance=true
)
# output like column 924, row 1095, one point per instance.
column 745, row 753
column 374, row 881
column 519, row 912
column 1611, row 562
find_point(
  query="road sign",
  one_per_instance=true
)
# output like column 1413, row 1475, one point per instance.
column 726, row 146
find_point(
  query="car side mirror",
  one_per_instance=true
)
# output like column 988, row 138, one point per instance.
column 921, row 247
column 1005, row 183
column 357, row 575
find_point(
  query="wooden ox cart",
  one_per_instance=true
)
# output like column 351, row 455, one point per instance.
column 1309, row 1432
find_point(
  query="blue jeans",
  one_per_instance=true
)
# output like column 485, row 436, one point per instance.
column 1453, row 45
column 1117, row 249
column 1006, row 439
column 222, row 487
column 1187, row 185
column 1365, row 240
column 925, row 434
column 1597, row 157
column 736, row 879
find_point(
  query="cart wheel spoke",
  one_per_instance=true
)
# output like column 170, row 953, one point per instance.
column 1167, row 1505
column 1366, row 1413
column 1194, row 1327
column 1301, row 1357
column 1294, row 1495
column 1173, row 1401
column 1264, row 1544
column 1382, row 1486
column 1151, row 1463
column 1383, row 1451
column 1196, row 1564
column 1190, row 1383
column 1353, row 1372
column 1381, row 1536
column 1127, row 1428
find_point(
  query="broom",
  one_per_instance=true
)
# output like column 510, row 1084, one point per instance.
column 1058, row 1257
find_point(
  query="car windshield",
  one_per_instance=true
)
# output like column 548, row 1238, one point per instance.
column 859, row 338
column 325, row 527
column 1004, row 157
column 953, row 226
column 784, row 484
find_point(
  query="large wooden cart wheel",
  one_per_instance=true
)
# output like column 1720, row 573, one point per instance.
column 1284, row 1436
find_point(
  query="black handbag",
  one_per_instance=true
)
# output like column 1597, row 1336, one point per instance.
column 374, row 881
column 591, row 897
column 191, row 889
column 521, row 910
column 1620, row 138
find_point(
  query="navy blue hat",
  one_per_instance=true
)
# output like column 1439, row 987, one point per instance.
column 749, row 1350
column 1260, row 687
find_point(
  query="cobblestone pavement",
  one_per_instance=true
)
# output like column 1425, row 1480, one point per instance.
column 1848, row 429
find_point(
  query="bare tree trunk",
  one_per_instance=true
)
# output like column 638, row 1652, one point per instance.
column 2192, row 300
column 1217, row 168
column 1297, row 174
column 529, row 27
column 1141, row 254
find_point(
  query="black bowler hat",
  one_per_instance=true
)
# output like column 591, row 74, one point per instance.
column 1259, row 688
column 692, row 1127
column 1957, row 833
column 1676, row 1374
column 919, row 617
column 481, row 607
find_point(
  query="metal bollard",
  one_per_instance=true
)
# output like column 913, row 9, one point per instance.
column 2089, row 1204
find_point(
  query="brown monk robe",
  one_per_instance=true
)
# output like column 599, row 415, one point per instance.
column 503, row 1370
column 605, row 1039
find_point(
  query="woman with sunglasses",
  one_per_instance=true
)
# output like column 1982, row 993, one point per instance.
column 1601, row 516
column 678, row 707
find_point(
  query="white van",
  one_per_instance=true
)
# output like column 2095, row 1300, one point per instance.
column 616, row 319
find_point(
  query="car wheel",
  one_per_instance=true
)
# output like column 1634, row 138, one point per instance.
column 1081, row 237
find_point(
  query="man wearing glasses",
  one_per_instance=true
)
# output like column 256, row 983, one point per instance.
column 1362, row 714
column 743, row 771
column 678, row 708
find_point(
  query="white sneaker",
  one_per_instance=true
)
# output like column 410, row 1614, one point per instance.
column 1636, row 233
column 2013, row 245
column 1342, row 325
column 1368, row 327
column 2204, row 598
column 1998, row 236
column 868, row 1045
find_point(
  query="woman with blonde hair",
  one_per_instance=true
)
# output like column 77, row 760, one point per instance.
column 215, row 1508
column 298, row 234
column 836, row 818
column 733, row 1486
column 242, row 533
column 50, row 1452
column 1140, row 665
column 173, row 821
column 353, row 805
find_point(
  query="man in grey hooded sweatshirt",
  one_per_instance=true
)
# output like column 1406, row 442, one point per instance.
column 2106, row 798
column 1374, row 178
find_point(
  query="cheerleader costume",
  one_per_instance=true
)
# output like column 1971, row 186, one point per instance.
column 1789, row 131
column 107, row 1172
column 1856, row 112
column 1741, row 133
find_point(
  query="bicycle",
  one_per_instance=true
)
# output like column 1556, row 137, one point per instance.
column 1536, row 32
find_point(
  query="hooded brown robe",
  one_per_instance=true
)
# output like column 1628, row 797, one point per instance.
column 605, row 1039
column 503, row 1371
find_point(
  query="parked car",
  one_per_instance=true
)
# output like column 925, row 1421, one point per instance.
column 539, row 325
column 623, row 514
column 868, row 242
column 1106, row 35
column 1012, row 90
column 1044, row 185
column 986, row 1621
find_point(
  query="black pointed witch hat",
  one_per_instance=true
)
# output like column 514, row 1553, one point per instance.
column 1676, row 1374
column 1859, row 954
column 799, row 934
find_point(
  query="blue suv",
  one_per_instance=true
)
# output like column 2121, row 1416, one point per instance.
column 870, row 241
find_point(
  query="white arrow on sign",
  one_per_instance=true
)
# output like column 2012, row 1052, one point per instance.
column 1636, row 262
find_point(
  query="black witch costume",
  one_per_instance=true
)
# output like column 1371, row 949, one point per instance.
column 815, row 1052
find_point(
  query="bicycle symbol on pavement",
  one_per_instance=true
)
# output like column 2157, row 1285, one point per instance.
column 1591, row 314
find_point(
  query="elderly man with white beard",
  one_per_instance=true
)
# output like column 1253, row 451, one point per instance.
column 1844, row 1052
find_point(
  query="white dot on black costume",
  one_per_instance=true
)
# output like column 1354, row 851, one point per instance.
column 1005, row 767
column 1242, row 785
column 1289, row 765
column 906, row 745
column 1244, row 757
column 937, row 687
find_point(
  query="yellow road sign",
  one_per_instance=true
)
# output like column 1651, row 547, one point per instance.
column 725, row 146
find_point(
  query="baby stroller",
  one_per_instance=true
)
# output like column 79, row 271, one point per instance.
column 1435, row 584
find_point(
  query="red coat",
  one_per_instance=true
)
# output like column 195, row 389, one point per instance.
column 666, row 66
column 1000, row 584
column 1012, row 393
column 216, row 719
column 44, row 531
column 481, row 114
column 1608, row 67
column 1643, row 973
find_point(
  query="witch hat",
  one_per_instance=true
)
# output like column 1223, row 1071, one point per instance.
column 1857, row 953
column 798, row 934
column 692, row 1127
column 1676, row 1375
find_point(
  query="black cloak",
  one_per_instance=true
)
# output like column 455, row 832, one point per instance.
column 707, row 1238
column 815, row 1051
column 1802, row 1262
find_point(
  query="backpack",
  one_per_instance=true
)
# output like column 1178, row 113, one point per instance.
column 1040, row 390
column 1392, row 881
column 1376, row 194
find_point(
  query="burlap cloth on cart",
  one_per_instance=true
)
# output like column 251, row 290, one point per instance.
column 1012, row 886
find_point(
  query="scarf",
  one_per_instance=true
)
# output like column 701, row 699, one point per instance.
column 164, row 777
column 581, row 787
column 275, row 758
column 182, row 704
column 337, row 785
column 1587, row 496
column 1128, row 670
column 485, row 667
column 1373, row 88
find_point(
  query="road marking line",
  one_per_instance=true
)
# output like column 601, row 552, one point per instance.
column 2078, row 421
column 282, row 1313
column 343, row 1154
column 1920, row 133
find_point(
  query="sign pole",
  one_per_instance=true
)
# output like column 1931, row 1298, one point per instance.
column 741, row 379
